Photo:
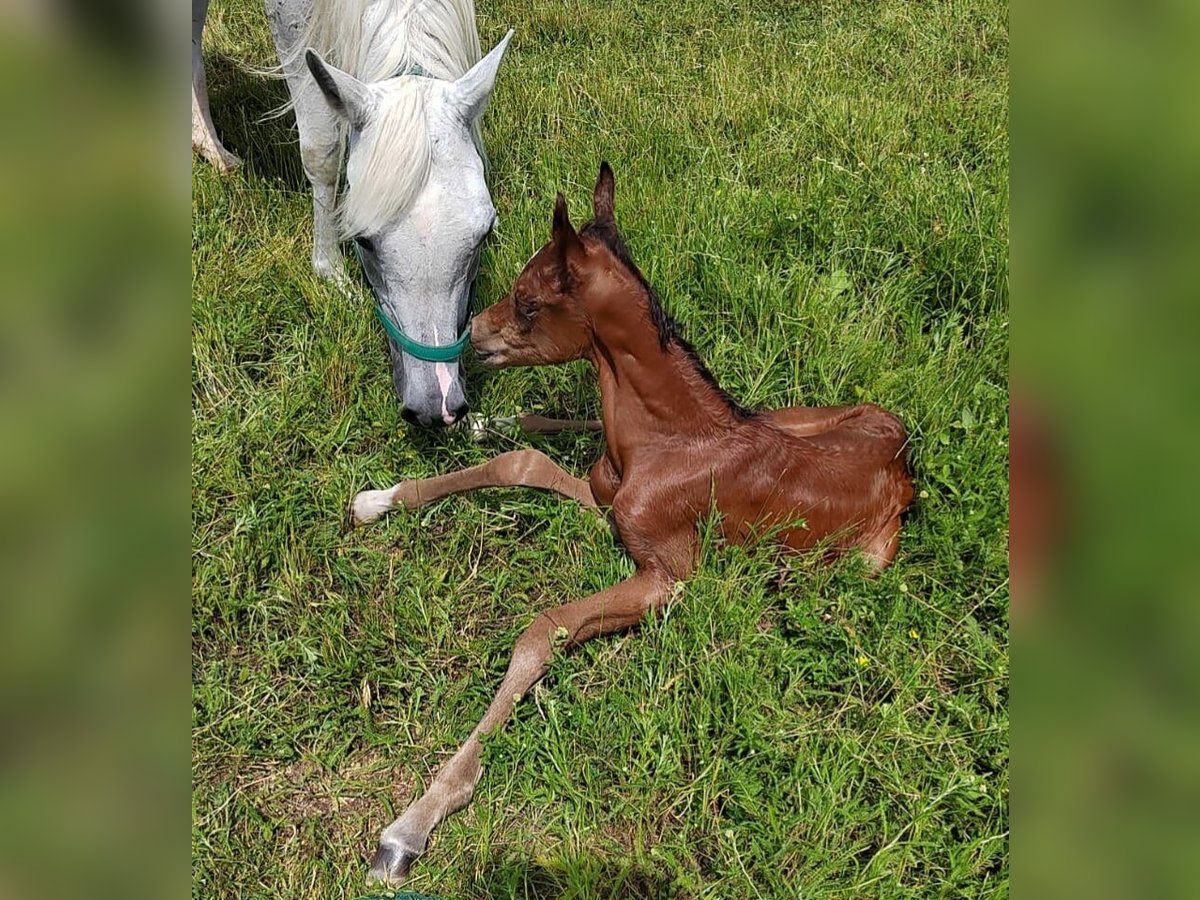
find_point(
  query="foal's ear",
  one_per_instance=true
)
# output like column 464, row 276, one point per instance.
column 602, row 196
column 474, row 88
column 562, row 232
column 350, row 98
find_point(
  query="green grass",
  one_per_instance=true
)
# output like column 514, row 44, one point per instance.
column 819, row 191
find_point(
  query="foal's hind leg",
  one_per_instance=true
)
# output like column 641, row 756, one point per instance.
column 519, row 468
column 614, row 609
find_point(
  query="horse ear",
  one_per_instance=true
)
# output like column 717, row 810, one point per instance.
column 562, row 233
column 602, row 196
column 474, row 88
column 347, row 96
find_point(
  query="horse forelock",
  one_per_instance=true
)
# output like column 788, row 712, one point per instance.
column 375, row 39
column 391, row 159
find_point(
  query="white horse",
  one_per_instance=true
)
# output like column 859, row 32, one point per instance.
column 404, row 87
column 388, row 95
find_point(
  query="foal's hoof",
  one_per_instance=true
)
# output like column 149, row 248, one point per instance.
column 367, row 506
column 391, row 863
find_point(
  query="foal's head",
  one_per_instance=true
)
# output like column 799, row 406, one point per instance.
column 547, row 317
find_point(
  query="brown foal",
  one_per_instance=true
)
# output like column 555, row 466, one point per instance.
column 676, row 445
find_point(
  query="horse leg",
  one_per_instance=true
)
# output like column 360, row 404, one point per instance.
column 204, row 135
column 614, row 609
column 321, row 155
column 320, row 139
column 881, row 548
column 530, row 423
column 518, row 468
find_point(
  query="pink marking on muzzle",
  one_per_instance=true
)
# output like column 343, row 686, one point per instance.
column 445, row 379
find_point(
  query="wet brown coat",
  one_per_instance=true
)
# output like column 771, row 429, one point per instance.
column 675, row 445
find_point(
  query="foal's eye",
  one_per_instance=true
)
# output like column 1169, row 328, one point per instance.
column 525, row 309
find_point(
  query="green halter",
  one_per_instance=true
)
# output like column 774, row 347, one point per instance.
column 426, row 352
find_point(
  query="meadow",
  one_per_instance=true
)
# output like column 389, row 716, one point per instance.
column 819, row 192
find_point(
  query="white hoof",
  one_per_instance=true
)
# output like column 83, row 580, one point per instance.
column 332, row 270
column 368, row 506
column 220, row 158
column 481, row 425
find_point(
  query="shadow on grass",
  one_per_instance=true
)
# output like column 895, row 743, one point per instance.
column 243, row 105
column 577, row 876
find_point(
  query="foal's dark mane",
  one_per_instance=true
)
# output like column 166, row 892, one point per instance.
column 669, row 330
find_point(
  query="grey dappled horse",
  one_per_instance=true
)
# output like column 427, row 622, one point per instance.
column 391, row 92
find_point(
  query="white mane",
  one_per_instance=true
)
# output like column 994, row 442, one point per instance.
column 378, row 41
column 375, row 39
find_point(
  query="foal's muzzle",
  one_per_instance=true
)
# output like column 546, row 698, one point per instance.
column 487, row 344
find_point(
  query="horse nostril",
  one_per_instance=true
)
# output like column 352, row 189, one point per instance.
column 408, row 416
column 455, row 414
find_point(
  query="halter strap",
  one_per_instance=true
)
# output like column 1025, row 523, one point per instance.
column 426, row 352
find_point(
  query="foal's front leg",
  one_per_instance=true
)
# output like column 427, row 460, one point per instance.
column 614, row 609
column 519, row 468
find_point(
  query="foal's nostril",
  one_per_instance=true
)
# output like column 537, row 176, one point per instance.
column 408, row 416
column 455, row 414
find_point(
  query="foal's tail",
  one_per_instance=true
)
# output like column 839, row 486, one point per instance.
column 894, row 485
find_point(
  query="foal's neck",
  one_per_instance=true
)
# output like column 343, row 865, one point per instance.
column 648, row 393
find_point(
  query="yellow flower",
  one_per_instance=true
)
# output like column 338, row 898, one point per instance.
column 914, row 634
column 862, row 661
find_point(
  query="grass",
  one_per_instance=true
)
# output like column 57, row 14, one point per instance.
column 820, row 193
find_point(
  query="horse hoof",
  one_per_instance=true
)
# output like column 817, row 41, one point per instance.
column 391, row 863
column 331, row 269
column 367, row 506
column 216, row 155
column 225, row 162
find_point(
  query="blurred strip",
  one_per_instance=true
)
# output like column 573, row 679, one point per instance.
column 93, row 379
column 1106, row 416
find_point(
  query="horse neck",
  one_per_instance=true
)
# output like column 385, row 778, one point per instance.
column 648, row 393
